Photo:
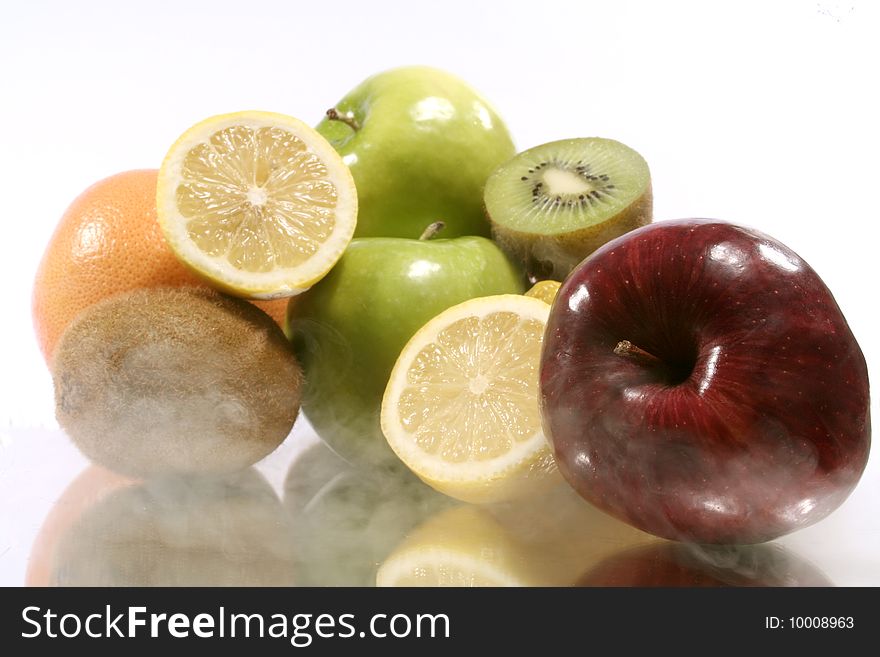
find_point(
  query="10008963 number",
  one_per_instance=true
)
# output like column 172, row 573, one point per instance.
column 821, row 622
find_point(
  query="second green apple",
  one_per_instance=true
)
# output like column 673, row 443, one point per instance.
column 349, row 329
column 420, row 144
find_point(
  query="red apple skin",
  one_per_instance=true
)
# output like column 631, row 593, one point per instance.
column 755, row 423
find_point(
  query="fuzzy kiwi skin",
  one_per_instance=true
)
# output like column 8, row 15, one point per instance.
column 164, row 381
column 554, row 256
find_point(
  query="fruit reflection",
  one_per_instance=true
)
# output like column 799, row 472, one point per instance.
column 345, row 521
column 547, row 541
column 90, row 487
column 218, row 531
column 682, row 564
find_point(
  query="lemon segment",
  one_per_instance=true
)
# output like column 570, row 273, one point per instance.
column 258, row 203
column 544, row 290
column 461, row 407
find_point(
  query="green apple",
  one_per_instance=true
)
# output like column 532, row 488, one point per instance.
column 349, row 329
column 420, row 144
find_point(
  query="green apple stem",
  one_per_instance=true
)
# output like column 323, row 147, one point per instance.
column 432, row 230
column 346, row 117
column 629, row 350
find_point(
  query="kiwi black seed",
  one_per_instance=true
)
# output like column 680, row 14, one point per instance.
column 163, row 381
column 553, row 205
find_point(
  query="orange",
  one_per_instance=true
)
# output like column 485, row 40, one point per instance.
column 107, row 242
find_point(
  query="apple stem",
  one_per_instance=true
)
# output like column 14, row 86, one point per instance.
column 628, row 349
column 432, row 230
column 346, row 117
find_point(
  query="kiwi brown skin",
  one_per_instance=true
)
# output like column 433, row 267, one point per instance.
column 554, row 256
column 175, row 380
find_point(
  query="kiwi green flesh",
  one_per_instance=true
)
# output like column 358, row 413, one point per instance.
column 566, row 186
column 555, row 256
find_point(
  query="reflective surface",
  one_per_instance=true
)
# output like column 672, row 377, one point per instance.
column 226, row 531
column 683, row 564
column 304, row 517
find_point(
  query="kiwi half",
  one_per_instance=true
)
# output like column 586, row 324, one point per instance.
column 163, row 381
column 553, row 205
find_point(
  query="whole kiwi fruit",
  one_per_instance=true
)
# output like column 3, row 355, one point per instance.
column 163, row 381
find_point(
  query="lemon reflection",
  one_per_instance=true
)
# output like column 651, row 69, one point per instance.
column 548, row 541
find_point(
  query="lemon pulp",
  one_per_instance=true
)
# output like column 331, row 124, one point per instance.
column 259, row 203
column 461, row 408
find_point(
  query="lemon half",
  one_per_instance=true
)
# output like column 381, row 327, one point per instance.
column 258, row 203
column 461, row 407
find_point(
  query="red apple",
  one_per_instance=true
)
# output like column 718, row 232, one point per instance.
column 699, row 381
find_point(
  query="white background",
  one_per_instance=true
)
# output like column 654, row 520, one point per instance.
column 760, row 113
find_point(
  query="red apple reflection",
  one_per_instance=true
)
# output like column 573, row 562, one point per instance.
column 687, row 565
column 699, row 381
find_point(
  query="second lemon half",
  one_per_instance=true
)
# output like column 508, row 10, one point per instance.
column 257, row 203
column 461, row 406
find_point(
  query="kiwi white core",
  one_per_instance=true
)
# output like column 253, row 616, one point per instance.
column 560, row 182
